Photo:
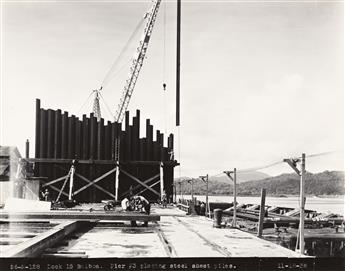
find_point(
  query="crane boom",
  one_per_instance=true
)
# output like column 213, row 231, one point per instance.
column 137, row 62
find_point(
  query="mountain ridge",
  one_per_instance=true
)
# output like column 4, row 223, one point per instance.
column 323, row 183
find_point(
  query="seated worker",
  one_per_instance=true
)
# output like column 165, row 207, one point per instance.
column 142, row 204
column 125, row 204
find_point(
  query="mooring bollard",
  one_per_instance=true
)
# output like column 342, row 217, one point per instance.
column 217, row 217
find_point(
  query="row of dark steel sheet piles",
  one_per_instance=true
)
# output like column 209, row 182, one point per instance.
column 61, row 137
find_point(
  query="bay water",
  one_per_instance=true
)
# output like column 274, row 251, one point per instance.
column 320, row 204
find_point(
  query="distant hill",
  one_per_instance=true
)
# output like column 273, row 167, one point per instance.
column 324, row 183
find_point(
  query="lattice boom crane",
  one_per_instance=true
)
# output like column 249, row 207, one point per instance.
column 137, row 61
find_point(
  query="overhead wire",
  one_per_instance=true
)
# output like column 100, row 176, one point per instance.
column 253, row 169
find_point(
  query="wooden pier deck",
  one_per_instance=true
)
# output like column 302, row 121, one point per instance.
column 175, row 235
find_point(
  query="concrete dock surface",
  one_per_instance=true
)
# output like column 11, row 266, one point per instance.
column 175, row 235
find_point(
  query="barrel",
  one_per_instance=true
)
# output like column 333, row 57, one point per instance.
column 217, row 217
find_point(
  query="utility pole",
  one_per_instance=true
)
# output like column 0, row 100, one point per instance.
column 233, row 178
column 180, row 183
column 293, row 164
column 205, row 180
column 191, row 182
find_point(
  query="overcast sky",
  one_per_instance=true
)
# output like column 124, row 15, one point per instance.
column 260, row 81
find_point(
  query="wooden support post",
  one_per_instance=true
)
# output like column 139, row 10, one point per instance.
column 161, row 177
column 71, row 181
column 302, row 203
column 27, row 148
column 293, row 164
column 191, row 182
column 181, row 190
column 262, row 212
column 207, row 201
column 228, row 173
column 205, row 179
column 175, row 192
column 235, row 199
column 117, row 181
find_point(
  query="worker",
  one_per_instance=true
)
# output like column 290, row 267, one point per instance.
column 45, row 195
column 164, row 199
column 142, row 204
column 125, row 204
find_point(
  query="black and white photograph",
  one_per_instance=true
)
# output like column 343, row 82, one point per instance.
column 172, row 135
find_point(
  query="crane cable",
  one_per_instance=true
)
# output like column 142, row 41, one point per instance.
column 84, row 103
column 110, row 73
column 164, row 69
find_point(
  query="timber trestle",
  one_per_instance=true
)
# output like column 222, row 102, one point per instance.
column 107, row 162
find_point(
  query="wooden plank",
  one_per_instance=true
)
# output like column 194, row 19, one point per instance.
column 95, row 162
column 8, row 241
column 142, row 183
column 146, row 182
column 90, row 183
column 95, row 185
column 36, row 245
column 55, row 181
column 77, row 215
column 152, row 185
column 58, row 190
column 64, row 255
column 18, row 234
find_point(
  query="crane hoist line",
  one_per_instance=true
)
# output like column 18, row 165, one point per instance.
column 137, row 61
